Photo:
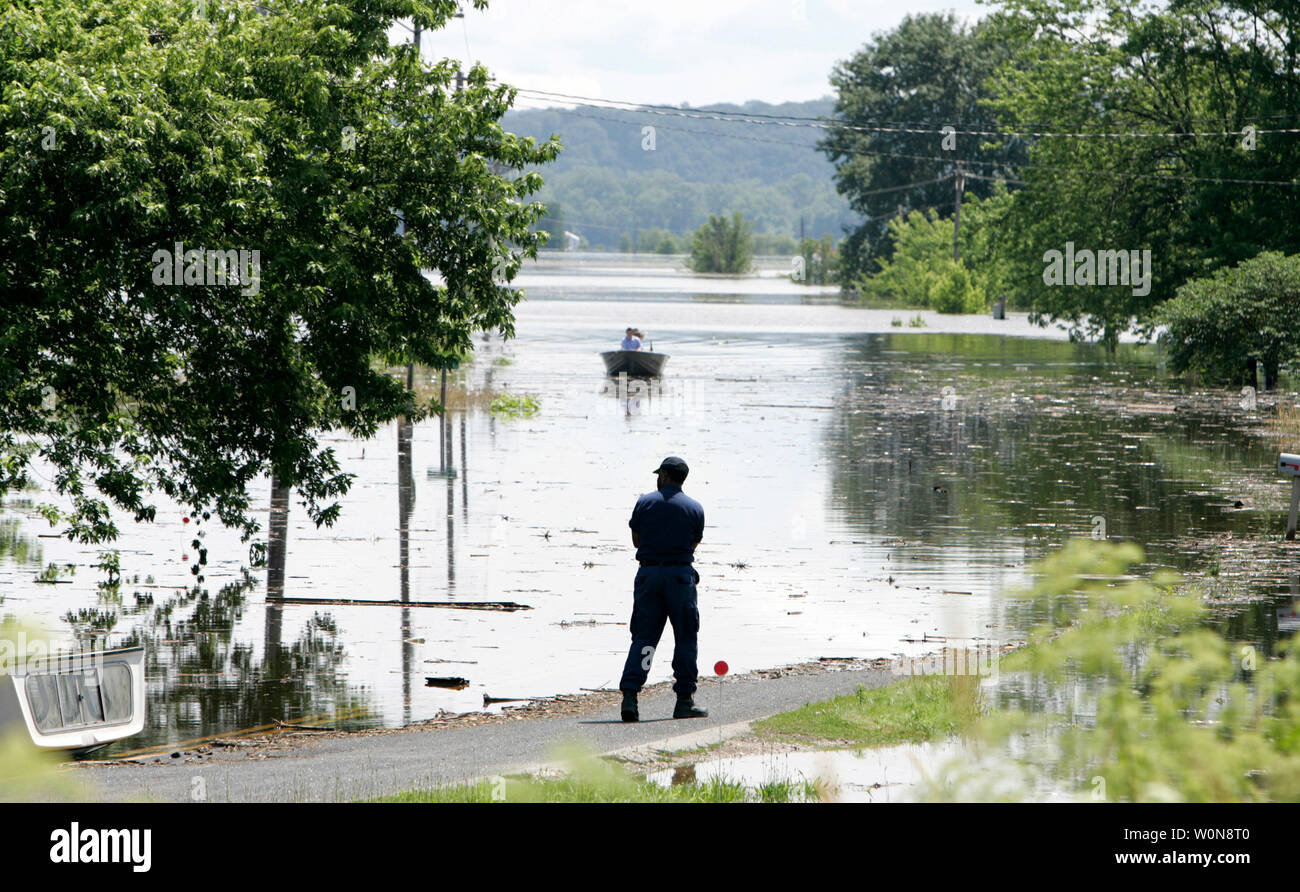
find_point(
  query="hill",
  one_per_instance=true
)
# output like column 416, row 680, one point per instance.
column 617, row 184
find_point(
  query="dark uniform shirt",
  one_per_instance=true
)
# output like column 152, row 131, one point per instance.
column 668, row 523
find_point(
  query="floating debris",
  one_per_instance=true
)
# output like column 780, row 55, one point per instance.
column 453, row 683
column 359, row 602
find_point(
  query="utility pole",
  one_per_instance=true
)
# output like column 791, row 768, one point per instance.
column 959, row 183
column 442, row 386
column 801, row 236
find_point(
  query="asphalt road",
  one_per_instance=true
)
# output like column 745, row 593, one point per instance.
column 346, row 768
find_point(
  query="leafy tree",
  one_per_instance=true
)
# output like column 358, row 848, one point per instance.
column 821, row 261
column 929, row 71
column 922, row 243
column 1188, row 67
column 954, row 290
column 922, row 272
column 1228, row 324
column 722, row 245
column 300, row 133
column 983, row 242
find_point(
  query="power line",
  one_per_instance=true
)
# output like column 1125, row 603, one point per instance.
column 946, row 160
column 469, row 56
column 839, row 126
column 742, row 116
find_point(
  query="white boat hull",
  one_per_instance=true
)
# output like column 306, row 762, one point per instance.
column 76, row 702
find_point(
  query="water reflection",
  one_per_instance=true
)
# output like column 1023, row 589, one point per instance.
column 15, row 544
column 405, row 504
column 205, row 682
column 945, row 452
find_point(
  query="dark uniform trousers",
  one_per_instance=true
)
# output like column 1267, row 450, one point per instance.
column 659, row 594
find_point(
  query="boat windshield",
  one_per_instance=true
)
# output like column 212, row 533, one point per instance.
column 92, row 696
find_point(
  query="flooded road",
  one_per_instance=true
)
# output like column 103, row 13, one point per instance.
column 868, row 487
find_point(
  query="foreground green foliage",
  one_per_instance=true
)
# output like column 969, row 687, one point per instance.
column 27, row 773
column 1121, row 693
column 1149, row 704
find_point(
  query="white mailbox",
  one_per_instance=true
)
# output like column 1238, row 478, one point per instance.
column 1289, row 464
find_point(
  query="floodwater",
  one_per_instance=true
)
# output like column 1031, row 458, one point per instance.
column 900, row 773
column 911, row 772
column 869, row 487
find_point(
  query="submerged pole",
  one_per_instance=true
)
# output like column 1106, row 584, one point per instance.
column 1290, row 464
column 1295, row 507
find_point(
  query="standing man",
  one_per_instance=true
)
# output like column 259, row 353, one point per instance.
column 666, row 525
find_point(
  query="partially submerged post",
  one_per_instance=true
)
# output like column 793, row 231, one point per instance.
column 1290, row 465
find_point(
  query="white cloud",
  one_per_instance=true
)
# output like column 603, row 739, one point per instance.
column 672, row 51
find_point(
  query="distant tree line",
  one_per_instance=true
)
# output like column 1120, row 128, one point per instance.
column 611, row 186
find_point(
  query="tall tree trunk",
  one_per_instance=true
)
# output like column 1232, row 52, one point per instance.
column 277, row 539
column 1271, row 370
column 405, row 505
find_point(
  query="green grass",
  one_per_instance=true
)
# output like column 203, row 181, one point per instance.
column 572, row 790
column 514, row 406
column 912, row 710
column 590, row 779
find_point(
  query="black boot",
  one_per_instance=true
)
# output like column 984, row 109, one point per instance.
column 686, row 708
column 630, row 712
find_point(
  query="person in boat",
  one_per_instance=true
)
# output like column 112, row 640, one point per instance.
column 631, row 340
column 667, row 526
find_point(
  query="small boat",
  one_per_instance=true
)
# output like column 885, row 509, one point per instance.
column 634, row 362
column 76, row 701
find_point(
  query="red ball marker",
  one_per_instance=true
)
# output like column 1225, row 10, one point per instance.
column 185, row 520
column 720, row 668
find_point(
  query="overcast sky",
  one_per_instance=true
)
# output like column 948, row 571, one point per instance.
column 674, row 51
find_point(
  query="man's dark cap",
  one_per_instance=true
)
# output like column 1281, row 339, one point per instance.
column 674, row 464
